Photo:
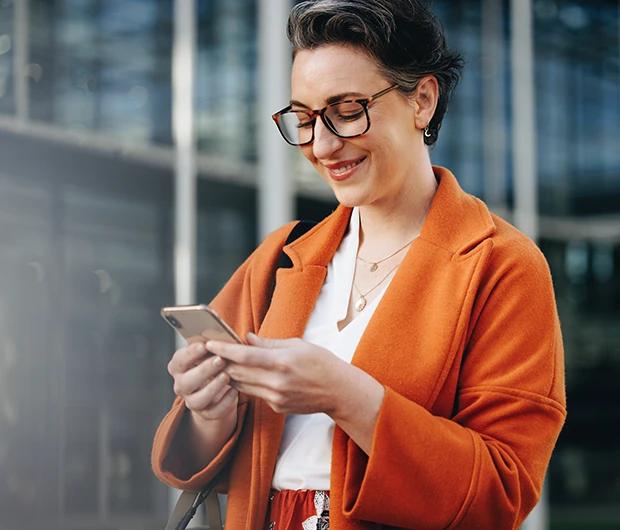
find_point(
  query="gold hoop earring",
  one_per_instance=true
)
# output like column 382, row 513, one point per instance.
column 427, row 133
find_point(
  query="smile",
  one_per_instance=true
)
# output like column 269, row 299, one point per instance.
column 344, row 169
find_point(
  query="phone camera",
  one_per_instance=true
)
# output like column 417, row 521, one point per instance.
column 174, row 321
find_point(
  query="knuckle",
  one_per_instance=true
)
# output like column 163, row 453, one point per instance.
column 277, row 386
column 278, row 399
column 269, row 343
column 171, row 367
column 190, row 403
column 205, row 369
column 283, row 365
column 243, row 357
column 233, row 372
column 276, row 408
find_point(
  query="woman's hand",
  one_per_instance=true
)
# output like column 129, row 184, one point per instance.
column 295, row 377
column 292, row 376
column 200, row 380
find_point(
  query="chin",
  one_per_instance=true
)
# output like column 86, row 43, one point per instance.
column 348, row 199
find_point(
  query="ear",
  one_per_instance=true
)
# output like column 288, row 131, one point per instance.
column 426, row 97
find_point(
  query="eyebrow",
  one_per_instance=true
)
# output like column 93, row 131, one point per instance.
column 332, row 99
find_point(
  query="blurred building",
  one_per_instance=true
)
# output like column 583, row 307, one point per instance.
column 86, row 235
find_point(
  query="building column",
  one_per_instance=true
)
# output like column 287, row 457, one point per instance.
column 494, row 107
column 524, row 153
column 276, row 199
column 184, row 137
column 524, row 156
column 185, row 173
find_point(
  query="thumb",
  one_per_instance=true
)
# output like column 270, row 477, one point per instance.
column 262, row 342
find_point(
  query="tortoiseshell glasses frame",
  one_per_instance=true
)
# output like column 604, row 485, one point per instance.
column 343, row 118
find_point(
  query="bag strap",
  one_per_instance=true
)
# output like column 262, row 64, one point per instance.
column 284, row 262
column 187, row 505
column 188, row 502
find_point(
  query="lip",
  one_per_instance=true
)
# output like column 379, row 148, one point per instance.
column 339, row 177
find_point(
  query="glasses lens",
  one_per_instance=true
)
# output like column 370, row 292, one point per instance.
column 296, row 126
column 347, row 118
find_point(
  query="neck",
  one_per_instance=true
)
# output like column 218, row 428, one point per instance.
column 386, row 226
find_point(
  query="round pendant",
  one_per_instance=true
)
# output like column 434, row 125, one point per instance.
column 374, row 267
column 360, row 304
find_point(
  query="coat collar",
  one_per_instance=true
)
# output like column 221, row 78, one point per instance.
column 456, row 222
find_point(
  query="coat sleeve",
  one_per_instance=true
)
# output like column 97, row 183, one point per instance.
column 242, row 303
column 484, row 467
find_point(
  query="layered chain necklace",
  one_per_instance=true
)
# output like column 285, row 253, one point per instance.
column 361, row 302
column 374, row 265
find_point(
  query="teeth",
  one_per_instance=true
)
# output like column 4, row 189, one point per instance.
column 341, row 170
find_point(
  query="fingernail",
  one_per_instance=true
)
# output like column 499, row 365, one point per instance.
column 218, row 362
column 199, row 347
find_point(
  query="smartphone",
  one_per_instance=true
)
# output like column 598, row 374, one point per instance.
column 195, row 323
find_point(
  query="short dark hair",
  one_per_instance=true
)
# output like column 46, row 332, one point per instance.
column 403, row 36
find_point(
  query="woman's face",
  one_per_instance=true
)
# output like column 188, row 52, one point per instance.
column 373, row 168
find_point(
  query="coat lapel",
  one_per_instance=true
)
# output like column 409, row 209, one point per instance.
column 433, row 289
column 412, row 339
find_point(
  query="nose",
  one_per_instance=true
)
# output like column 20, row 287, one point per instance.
column 325, row 141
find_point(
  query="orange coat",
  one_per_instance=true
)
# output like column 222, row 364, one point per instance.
column 467, row 344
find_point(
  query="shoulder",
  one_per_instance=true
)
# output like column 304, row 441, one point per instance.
column 511, row 248
column 515, row 267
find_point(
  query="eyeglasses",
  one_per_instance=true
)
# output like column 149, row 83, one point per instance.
column 346, row 119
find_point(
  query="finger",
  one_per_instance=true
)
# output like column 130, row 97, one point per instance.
column 206, row 396
column 244, row 355
column 198, row 376
column 274, row 344
column 218, row 397
column 275, row 400
column 251, row 390
column 229, row 401
column 186, row 358
column 252, row 375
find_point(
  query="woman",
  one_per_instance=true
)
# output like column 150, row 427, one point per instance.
column 440, row 411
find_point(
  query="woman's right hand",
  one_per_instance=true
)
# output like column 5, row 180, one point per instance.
column 200, row 380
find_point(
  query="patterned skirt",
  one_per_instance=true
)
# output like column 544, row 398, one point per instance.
column 298, row 510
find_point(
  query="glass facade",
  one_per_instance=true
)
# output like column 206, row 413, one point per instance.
column 86, row 240
column 102, row 66
column 227, row 79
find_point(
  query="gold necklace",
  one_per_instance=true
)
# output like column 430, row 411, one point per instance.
column 361, row 302
column 374, row 265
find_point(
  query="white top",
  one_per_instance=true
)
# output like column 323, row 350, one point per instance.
column 304, row 458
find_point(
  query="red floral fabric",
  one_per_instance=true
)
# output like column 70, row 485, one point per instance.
column 298, row 510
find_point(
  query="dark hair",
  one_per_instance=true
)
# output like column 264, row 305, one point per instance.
column 404, row 38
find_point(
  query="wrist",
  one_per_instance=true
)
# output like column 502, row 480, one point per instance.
column 204, row 422
column 358, row 397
